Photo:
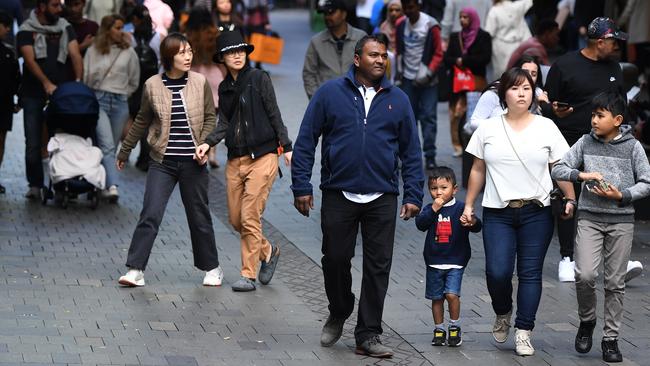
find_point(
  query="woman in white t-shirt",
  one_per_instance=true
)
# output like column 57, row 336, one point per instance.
column 512, row 153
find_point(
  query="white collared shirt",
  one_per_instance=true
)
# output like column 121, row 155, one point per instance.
column 368, row 95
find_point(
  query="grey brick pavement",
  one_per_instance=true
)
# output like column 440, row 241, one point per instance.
column 59, row 302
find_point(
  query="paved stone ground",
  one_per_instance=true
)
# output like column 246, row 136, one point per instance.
column 60, row 304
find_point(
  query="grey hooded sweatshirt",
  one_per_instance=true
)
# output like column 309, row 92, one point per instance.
column 622, row 162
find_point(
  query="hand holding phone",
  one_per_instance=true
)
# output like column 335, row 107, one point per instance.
column 562, row 109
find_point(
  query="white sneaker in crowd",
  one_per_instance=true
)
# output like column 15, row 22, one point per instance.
column 213, row 277
column 523, row 347
column 634, row 269
column 566, row 270
column 132, row 278
column 111, row 194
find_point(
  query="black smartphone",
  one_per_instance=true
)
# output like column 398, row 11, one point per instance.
column 563, row 105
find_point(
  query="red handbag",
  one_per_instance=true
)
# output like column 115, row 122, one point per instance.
column 463, row 80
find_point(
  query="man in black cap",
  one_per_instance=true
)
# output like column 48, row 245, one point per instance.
column 331, row 51
column 572, row 82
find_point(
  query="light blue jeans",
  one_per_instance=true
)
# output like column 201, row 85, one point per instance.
column 113, row 114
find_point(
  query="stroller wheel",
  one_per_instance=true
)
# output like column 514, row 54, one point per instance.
column 93, row 196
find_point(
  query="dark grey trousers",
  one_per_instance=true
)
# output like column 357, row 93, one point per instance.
column 192, row 180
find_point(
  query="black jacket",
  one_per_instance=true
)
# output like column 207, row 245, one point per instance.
column 478, row 55
column 9, row 76
column 249, row 118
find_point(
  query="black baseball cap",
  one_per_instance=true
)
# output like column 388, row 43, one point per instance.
column 326, row 6
column 604, row 28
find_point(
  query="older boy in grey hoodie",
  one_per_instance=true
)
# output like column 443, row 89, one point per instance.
column 616, row 172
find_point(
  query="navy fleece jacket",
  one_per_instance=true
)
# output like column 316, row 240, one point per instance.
column 359, row 153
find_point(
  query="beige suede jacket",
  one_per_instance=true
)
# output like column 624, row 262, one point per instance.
column 155, row 113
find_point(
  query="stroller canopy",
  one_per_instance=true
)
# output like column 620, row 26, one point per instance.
column 73, row 98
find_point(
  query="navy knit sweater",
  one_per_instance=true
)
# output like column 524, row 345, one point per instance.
column 447, row 240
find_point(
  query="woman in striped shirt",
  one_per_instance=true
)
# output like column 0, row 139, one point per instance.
column 178, row 109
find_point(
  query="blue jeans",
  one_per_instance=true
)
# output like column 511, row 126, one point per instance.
column 443, row 281
column 424, row 101
column 34, row 118
column 113, row 114
column 523, row 234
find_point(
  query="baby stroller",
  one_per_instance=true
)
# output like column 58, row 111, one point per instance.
column 75, row 165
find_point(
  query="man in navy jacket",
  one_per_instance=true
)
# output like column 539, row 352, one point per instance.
column 367, row 128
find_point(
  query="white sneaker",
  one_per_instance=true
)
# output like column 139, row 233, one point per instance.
column 522, row 343
column 634, row 269
column 566, row 270
column 111, row 194
column 132, row 278
column 501, row 327
column 213, row 277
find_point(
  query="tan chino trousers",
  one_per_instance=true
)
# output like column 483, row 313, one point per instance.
column 249, row 183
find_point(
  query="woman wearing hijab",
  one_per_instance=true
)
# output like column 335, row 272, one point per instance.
column 393, row 13
column 471, row 48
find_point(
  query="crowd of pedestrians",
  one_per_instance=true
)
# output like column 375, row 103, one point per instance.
column 552, row 112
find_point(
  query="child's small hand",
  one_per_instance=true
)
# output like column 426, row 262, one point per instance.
column 437, row 204
column 467, row 216
column 468, row 222
column 611, row 192
column 585, row 176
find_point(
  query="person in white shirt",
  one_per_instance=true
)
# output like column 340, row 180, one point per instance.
column 512, row 153
column 507, row 26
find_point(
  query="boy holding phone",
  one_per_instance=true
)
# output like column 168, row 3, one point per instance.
column 616, row 172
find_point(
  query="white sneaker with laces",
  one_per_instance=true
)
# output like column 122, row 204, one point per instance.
column 213, row 277
column 523, row 347
column 566, row 270
column 501, row 327
column 111, row 194
column 634, row 269
column 132, row 278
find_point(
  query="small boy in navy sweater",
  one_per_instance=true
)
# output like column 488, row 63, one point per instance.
column 446, row 252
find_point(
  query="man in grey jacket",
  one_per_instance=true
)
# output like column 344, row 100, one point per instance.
column 330, row 52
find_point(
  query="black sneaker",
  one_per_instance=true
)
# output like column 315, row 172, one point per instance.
column 454, row 339
column 439, row 337
column 611, row 352
column 583, row 340
column 268, row 269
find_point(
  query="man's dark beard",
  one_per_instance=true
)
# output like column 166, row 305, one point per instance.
column 51, row 18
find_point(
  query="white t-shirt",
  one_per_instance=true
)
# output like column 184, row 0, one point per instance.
column 414, row 37
column 539, row 144
column 368, row 95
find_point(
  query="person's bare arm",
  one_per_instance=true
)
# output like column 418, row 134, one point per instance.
column 29, row 58
column 75, row 58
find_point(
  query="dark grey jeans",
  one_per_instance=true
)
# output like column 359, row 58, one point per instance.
column 192, row 179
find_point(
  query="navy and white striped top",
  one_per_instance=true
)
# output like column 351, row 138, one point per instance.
column 181, row 146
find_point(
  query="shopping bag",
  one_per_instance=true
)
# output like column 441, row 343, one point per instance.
column 268, row 49
column 463, row 80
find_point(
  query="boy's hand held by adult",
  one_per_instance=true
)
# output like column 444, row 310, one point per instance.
column 303, row 204
column 408, row 211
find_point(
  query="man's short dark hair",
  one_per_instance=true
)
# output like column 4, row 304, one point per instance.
column 44, row 2
column 6, row 19
column 358, row 49
column 611, row 101
column 442, row 172
column 545, row 25
column 417, row 2
column 514, row 77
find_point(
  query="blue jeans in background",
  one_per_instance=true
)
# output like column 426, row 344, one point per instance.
column 34, row 119
column 113, row 114
column 424, row 101
column 523, row 234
